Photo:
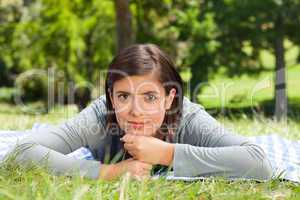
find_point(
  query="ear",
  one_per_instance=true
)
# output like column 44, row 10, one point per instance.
column 170, row 98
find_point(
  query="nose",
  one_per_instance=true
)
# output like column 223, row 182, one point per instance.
column 135, row 109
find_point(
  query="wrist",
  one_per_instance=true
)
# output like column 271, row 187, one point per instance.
column 168, row 150
column 109, row 172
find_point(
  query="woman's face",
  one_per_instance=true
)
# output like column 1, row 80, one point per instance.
column 140, row 103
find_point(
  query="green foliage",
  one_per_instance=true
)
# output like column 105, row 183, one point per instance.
column 78, row 37
column 74, row 36
column 31, row 86
column 6, row 94
column 248, row 27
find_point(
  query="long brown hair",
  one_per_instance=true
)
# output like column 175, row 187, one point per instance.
column 142, row 59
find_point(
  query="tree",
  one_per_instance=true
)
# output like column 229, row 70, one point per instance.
column 66, row 35
column 257, row 25
column 123, row 24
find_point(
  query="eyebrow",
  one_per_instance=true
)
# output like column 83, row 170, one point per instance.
column 122, row 92
column 148, row 92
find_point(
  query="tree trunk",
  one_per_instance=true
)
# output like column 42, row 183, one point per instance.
column 199, row 69
column 27, row 2
column 123, row 24
column 280, row 77
column 198, row 80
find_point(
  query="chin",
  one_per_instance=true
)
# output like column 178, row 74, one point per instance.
column 140, row 132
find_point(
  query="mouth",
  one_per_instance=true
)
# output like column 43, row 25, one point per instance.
column 136, row 125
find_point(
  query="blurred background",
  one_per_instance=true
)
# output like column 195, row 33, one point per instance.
column 237, row 57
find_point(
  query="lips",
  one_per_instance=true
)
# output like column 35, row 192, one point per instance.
column 136, row 125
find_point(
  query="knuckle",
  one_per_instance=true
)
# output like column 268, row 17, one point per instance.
column 139, row 147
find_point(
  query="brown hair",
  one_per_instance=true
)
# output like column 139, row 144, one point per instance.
column 142, row 59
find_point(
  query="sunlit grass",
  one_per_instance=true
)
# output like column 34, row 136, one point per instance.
column 23, row 117
column 251, row 91
column 21, row 183
column 247, row 91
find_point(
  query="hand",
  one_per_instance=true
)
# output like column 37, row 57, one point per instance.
column 149, row 149
column 137, row 169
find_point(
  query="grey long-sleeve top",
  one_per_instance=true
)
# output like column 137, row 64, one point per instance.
column 203, row 147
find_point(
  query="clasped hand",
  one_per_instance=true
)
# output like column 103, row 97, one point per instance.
column 149, row 149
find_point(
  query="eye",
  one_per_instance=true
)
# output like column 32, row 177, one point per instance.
column 123, row 97
column 150, row 98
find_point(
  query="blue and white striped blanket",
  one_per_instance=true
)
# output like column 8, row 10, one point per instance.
column 283, row 154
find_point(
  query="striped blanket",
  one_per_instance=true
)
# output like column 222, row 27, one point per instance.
column 284, row 154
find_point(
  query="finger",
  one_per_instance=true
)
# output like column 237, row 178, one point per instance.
column 128, row 138
column 146, row 173
column 137, row 177
column 147, row 166
column 147, row 169
column 129, row 146
column 141, row 175
column 128, row 149
column 133, row 154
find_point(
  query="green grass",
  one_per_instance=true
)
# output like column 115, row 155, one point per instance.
column 246, row 91
column 35, row 183
column 254, row 91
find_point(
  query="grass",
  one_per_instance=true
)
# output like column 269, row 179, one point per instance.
column 20, row 183
column 244, row 93
column 245, row 90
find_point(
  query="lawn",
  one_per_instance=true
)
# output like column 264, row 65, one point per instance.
column 247, row 91
column 36, row 183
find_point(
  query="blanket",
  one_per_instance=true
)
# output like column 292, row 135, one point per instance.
column 283, row 154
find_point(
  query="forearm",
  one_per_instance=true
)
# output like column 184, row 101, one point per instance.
column 57, row 163
column 247, row 161
column 65, row 165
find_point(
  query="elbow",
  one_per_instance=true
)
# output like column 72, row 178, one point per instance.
column 267, row 170
column 21, row 151
column 264, row 170
column 260, row 168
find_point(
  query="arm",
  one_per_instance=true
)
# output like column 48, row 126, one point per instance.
column 49, row 146
column 208, row 149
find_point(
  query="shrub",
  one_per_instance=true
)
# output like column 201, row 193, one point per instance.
column 31, row 85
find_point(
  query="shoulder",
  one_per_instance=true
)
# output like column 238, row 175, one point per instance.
column 189, row 111
column 100, row 102
column 190, row 108
column 194, row 114
column 191, row 114
column 98, row 107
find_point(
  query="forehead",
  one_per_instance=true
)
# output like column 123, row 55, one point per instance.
column 139, row 83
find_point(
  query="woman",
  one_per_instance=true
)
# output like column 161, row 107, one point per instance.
column 144, row 120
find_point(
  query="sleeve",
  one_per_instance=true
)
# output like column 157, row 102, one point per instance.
column 49, row 146
column 206, row 148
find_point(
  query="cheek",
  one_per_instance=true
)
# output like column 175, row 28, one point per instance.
column 121, row 117
column 155, row 121
column 158, row 118
column 155, row 124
